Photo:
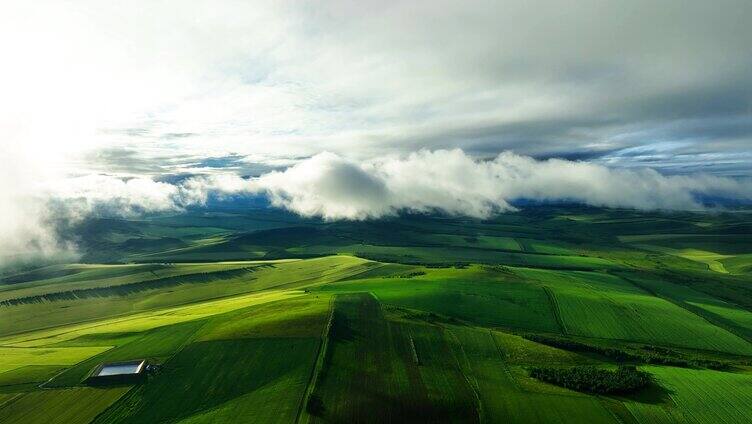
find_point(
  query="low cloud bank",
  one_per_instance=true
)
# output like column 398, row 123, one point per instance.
column 452, row 182
column 447, row 181
column 333, row 187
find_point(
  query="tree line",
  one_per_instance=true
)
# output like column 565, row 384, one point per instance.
column 626, row 379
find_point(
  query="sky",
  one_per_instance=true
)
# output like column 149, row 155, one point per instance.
column 360, row 109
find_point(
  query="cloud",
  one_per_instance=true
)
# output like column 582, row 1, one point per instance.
column 28, row 230
column 445, row 181
column 108, row 195
column 450, row 181
column 328, row 186
column 372, row 78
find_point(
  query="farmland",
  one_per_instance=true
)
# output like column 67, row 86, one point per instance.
column 249, row 317
column 700, row 396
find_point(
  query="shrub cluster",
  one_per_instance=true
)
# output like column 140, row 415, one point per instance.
column 409, row 274
column 626, row 379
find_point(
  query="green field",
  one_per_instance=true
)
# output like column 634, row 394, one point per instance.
column 472, row 294
column 74, row 405
column 256, row 317
column 218, row 380
column 607, row 307
column 699, row 396
column 386, row 370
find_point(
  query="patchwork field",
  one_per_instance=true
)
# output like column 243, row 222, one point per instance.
column 603, row 306
column 470, row 294
column 218, row 380
column 249, row 318
column 386, row 371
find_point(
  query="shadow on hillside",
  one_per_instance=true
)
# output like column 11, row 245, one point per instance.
column 654, row 394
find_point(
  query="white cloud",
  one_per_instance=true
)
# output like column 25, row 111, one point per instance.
column 329, row 186
column 27, row 230
column 115, row 196
column 450, row 181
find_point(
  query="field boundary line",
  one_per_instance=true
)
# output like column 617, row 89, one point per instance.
column 313, row 280
column 11, row 400
column 603, row 402
column 380, row 265
column 468, row 376
column 707, row 316
column 42, row 384
column 312, row 380
column 504, row 365
column 555, row 306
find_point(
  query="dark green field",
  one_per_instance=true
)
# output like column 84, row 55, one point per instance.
column 265, row 317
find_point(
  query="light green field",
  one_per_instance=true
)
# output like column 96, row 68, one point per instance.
column 156, row 345
column 90, row 276
column 289, row 274
column 656, row 237
column 739, row 264
column 74, row 406
column 698, row 396
column 607, row 307
column 481, row 242
column 506, row 399
column 633, row 318
column 17, row 357
column 711, row 259
column 300, row 316
column 468, row 294
column 507, row 243
column 269, row 321
column 536, row 246
column 699, row 248
column 517, row 350
column 146, row 320
column 422, row 254
column 722, row 313
column 738, row 316
column 28, row 374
